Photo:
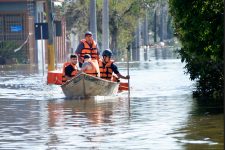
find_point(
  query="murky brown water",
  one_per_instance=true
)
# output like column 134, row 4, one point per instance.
column 162, row 113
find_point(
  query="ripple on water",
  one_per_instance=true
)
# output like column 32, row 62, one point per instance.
column 37, row 116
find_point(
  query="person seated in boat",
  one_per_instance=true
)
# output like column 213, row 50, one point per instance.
column 108, row 68
column 90, row 66
column 70, row 69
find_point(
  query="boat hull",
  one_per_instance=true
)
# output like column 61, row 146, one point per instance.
column 84, row 85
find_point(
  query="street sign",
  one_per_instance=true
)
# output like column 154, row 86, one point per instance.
column 16, row 28
column 41, row 31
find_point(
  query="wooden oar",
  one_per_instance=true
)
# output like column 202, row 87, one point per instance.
column 128, row 73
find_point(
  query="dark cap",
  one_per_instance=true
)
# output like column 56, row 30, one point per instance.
column 87, row 56
column 88, row 33
column 107, row 52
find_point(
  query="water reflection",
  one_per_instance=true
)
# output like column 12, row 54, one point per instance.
column 22, row 69
column 204, row 129
column 20, row 120
column 164, row 53
column 96, row 112
column 100, row 123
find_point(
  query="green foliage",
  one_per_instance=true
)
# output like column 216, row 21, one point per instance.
column 77, row 15
column 199, row 26
column 7, row 52
column 124, row 16
column 123, row 19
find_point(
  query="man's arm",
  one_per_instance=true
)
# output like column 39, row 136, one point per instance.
column 79, row 48
column 97, row 49
column 115, row 70
column 98, row 52
column 123, row 77
column 68, row 71
column 78, row 51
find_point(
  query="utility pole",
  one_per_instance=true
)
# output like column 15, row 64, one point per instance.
column 155, row 25
column 105, row 25
column 165, row 18
column 161, row 22
column 30, row 6
column 93, row 24
column 138, row 40
column 146, row 28
column 51, row 51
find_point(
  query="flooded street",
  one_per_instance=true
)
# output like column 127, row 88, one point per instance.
column 162, row 114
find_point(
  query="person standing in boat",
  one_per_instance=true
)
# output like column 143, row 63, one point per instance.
column 107, row 67
column 70, row 69
column 87, row 46
column 90, row 66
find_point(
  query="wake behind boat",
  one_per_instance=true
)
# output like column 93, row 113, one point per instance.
column 84, row 85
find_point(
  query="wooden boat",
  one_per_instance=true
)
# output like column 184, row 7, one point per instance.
column 84, row 85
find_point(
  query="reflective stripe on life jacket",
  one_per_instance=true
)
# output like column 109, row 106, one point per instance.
column 92, row 50
column 64, row 79
column 106, row 70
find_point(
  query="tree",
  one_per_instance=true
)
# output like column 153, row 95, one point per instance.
column 199, row 26
column 77, row 15
column 123, row 19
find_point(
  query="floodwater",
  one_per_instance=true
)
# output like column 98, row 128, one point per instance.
column 161, row 113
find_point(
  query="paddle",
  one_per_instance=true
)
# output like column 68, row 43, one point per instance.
column 128, row 73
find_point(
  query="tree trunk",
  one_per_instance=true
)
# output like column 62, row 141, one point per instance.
column 155, row 27
column 93, row 24
column 105, row 25
column 114, row 44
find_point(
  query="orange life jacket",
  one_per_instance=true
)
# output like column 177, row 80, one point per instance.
column 92, row 71
column 92, row 50
column 72, row 74
column 106, row 71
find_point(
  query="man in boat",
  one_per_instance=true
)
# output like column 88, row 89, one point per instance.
column 90, row 66
column 87, row 46
column 70, row 69
column 107, row 67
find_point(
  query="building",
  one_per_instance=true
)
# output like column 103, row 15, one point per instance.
column 17, row 33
